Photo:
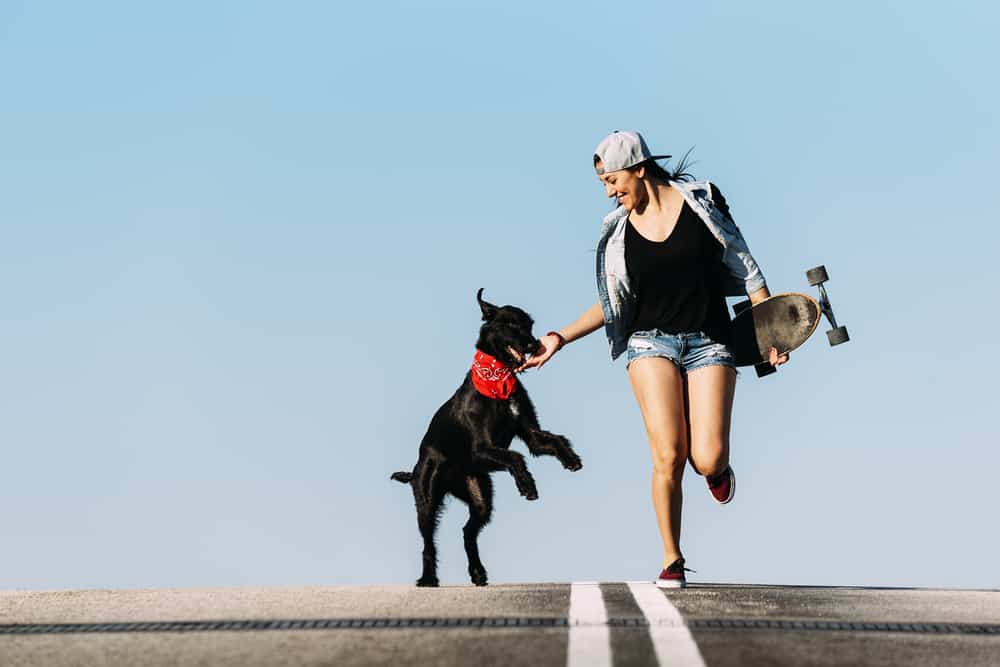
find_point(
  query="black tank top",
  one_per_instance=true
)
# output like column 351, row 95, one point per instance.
column 678, row 281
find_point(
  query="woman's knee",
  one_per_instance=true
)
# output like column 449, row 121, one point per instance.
column 709, row 458
column 669, row 456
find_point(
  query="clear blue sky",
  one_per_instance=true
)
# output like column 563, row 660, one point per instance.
column 240, row 244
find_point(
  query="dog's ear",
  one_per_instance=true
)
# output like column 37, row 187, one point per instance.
column 489, row 310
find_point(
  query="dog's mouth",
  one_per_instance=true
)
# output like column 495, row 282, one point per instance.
column 516, row 355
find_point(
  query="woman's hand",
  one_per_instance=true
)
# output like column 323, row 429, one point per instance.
column 550, row 345
column 776, row 360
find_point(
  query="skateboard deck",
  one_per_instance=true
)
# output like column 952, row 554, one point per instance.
column 784, row 321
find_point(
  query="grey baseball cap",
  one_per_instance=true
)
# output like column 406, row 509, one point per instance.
column 621, row 150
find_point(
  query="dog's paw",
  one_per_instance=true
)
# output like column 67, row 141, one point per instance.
column 526, row 486
column 478, row 577
column 572, row 463
column 427, row 582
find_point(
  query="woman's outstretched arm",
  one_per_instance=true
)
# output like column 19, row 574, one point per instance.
column 589, row 322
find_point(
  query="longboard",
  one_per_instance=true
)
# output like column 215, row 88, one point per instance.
column 783, row 321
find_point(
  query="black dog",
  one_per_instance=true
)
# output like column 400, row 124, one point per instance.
column 469, row 437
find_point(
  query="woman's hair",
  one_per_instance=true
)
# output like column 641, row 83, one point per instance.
column 678, row 173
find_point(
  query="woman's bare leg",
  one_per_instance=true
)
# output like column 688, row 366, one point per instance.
column 710, row 392
column 659, row 389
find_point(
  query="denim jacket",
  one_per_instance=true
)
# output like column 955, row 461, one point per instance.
column 616, row 295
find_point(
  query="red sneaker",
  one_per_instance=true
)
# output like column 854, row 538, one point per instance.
column 673, row 575
column 723, row 485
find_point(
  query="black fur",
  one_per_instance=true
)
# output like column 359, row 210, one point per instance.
column 469, row 437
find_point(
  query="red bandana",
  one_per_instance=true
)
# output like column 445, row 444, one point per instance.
column 491, row 377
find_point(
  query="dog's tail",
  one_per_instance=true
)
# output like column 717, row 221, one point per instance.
column 403, row 477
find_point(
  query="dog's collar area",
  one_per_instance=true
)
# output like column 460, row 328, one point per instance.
column 491, row 377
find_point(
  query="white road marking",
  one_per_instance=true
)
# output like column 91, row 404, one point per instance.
column 672, row 641
column 589, row 634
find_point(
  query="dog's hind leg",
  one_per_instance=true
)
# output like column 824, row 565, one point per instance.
column 428, row 491
column 480, row 490
column 514, row 463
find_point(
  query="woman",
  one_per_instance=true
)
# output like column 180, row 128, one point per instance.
column 666, row 259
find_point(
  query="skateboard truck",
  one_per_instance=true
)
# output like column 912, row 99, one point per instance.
column 816, row 277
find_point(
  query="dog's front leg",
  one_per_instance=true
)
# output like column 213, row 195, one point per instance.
column 542, row 442
column 515, row 465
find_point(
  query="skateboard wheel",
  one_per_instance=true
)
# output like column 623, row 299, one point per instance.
column 817, row 275
column 741, row 306
column 837, row 336
column 764, row 368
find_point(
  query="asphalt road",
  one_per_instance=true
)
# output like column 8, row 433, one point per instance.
column 529, row 624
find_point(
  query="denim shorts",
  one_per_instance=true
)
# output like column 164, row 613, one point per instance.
column 688, row 350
